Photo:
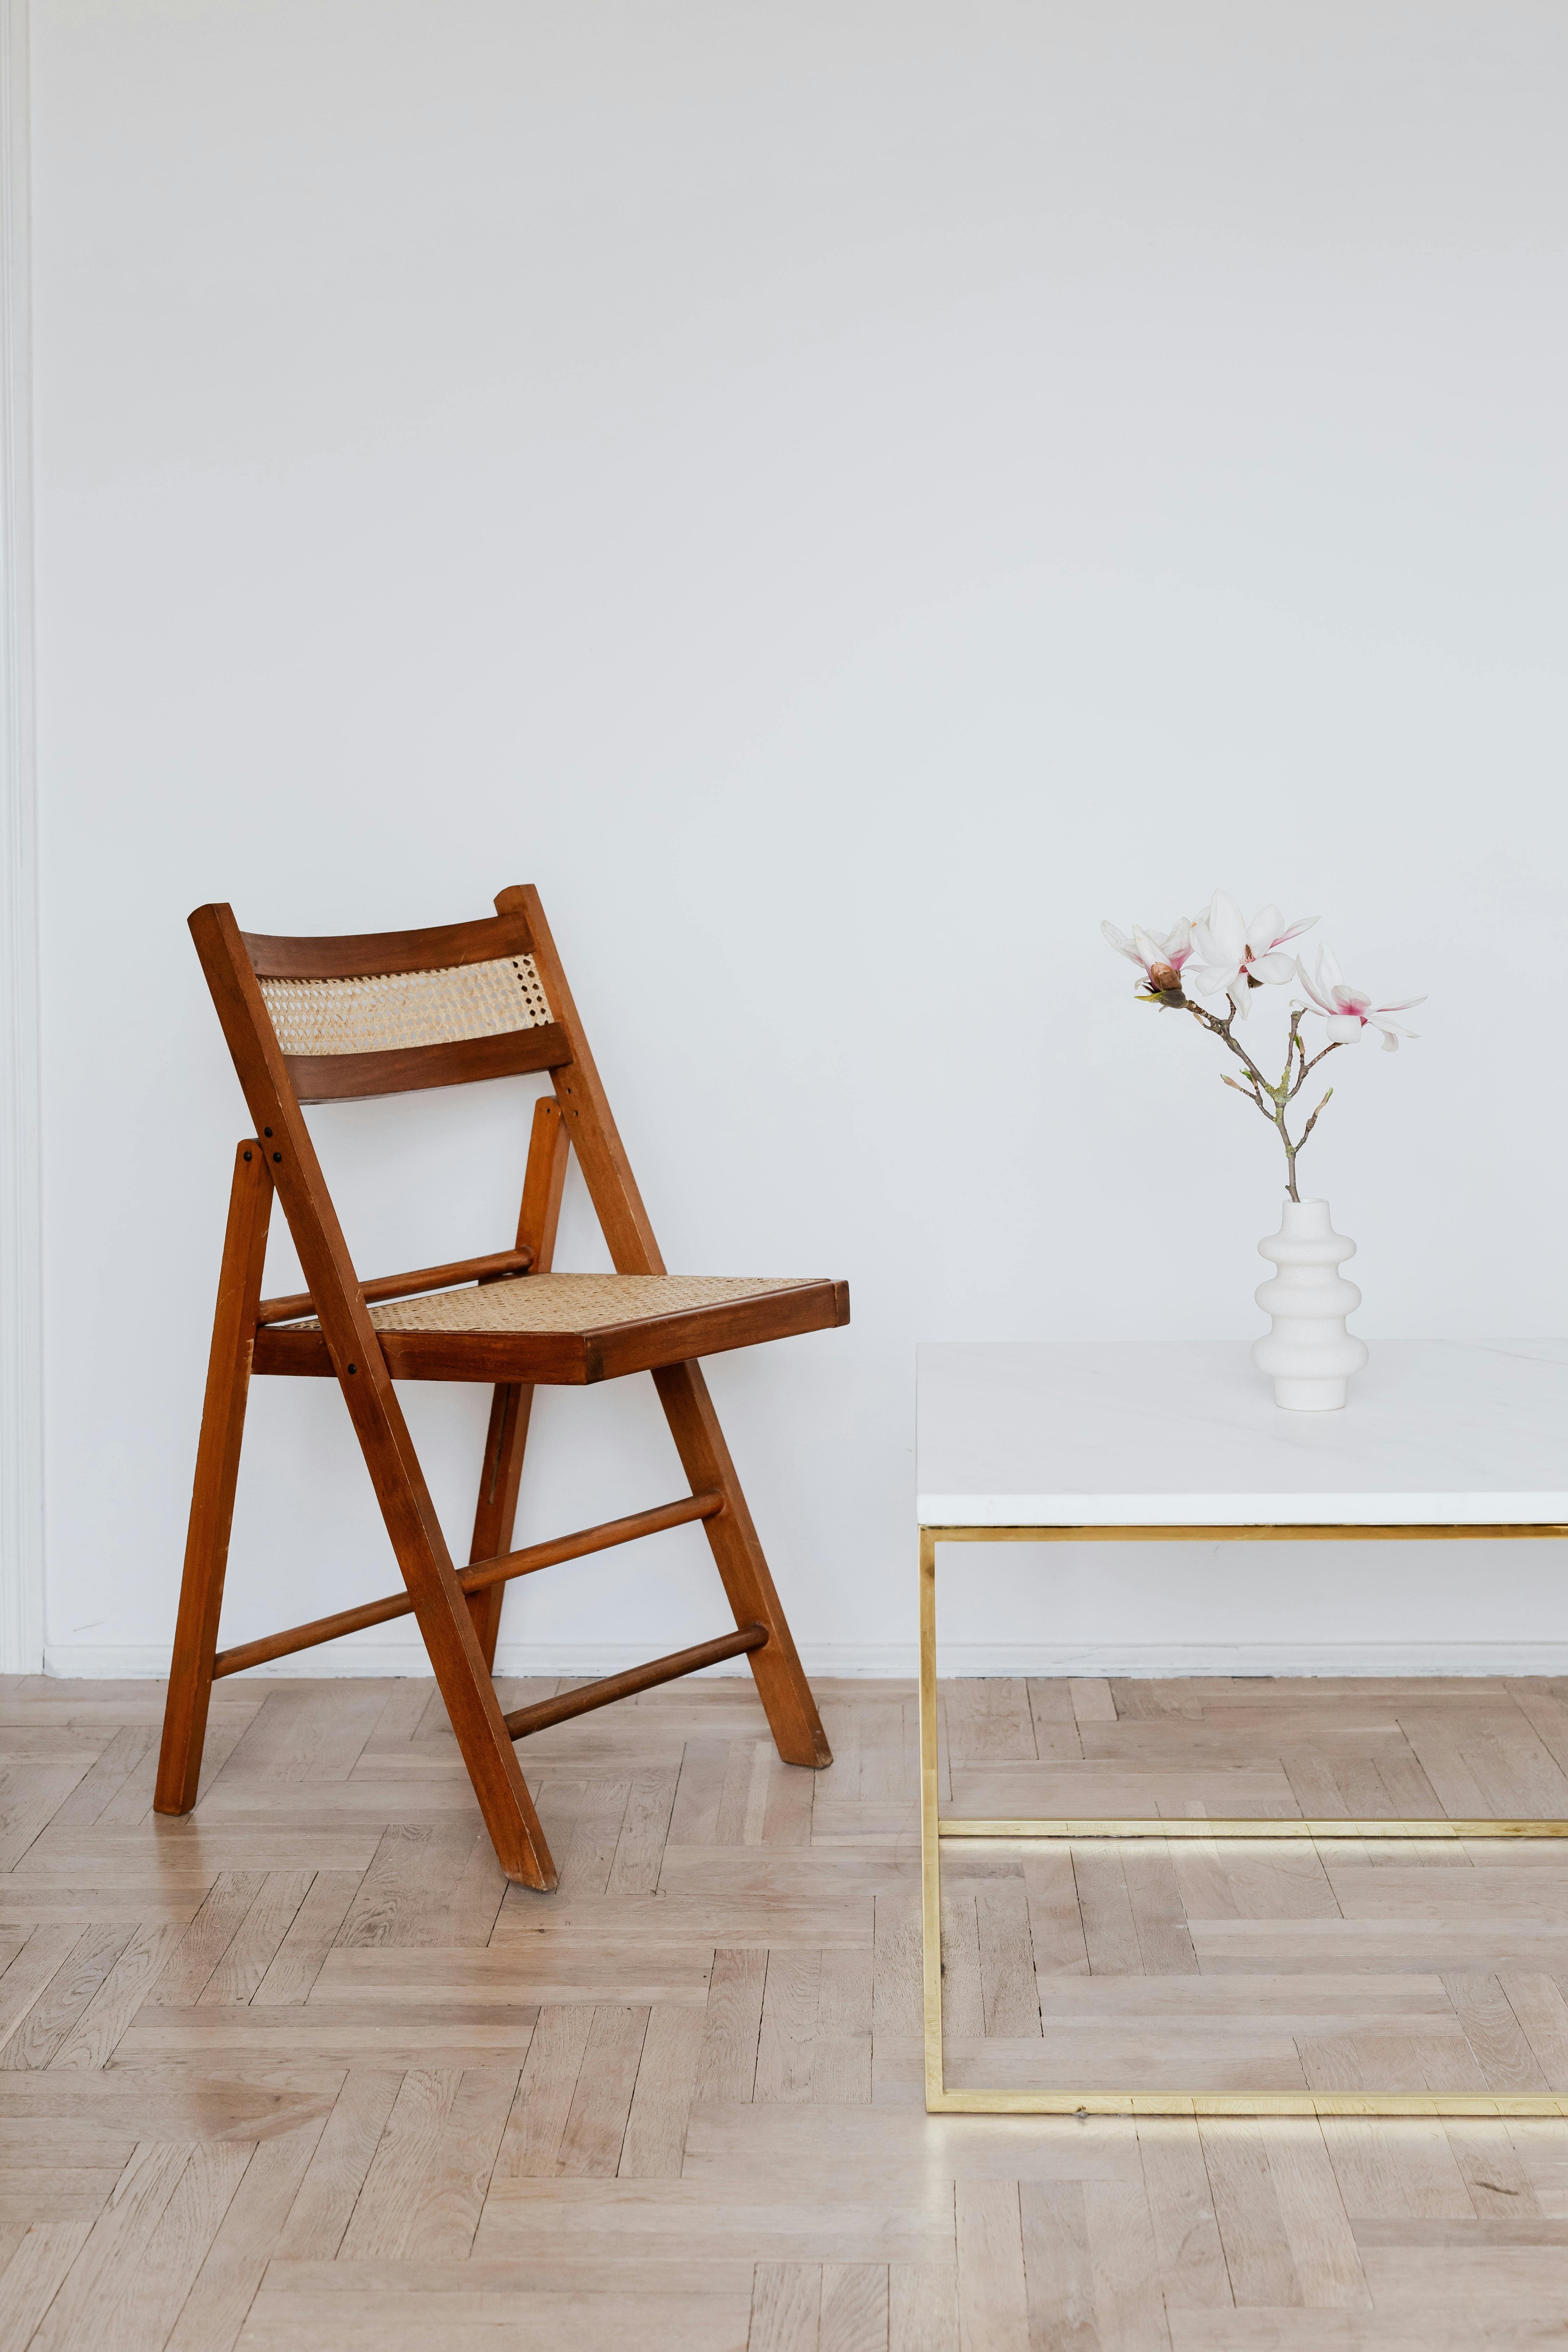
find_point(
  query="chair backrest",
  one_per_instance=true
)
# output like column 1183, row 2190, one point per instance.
column 322, row 1020
column 395, row 1010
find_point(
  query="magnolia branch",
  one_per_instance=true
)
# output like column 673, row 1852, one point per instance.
column 1228, row 956
column 1279, row 1098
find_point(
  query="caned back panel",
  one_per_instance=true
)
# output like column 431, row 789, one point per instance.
column 378, row 1013
column 386, row 1011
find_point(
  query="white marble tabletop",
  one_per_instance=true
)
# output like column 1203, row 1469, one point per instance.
column 1110, row 1433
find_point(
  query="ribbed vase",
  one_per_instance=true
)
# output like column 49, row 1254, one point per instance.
column 1308, row 1355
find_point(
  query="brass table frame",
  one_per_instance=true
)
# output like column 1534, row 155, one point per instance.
column 939, row 2100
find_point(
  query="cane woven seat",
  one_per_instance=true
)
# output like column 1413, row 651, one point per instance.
column 567, row 1302
column 568, row 1329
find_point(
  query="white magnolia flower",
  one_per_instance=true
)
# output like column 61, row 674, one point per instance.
column 1161, row 960
column 1234, row 954
column 1348, row 1011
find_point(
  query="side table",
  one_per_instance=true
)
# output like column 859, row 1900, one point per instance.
column 1120, row 1443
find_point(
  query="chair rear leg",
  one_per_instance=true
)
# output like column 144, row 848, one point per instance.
column 781, row 1679
column 496, row 1507
column 217, row 1469
column 544, row 1180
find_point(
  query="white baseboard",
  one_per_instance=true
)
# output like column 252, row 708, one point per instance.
column 133, row 1661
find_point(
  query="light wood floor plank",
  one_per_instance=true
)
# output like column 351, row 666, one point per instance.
column 34, row 2273
column 454, row 2322
column 531, row 2144
column 1058, row 2274
column 1130, row 2310
column 150, row 2293
column 694, row 1818
column 99, row 1786
column 786, row 2044
column 842, row 2059
column 32, row 1793
column 392, row 2192
column 86, row 2310
column 226, row 2287
column 310, row 1936
column 93, row 2035
column 596, row 2128
column 207, row 1939
column 989, row 1722
column 324, row 2203
column 303, row 2069
column 922, row 2308
column 1056, row 1725
column 854, row 2316
column 1010, row 1998
column 50, row 2016
column 654, row 2142
column 787, row 2307
column 731, row 2026
column 1322, row 2244
column 1192, row 2270
column 992, row 2306
column 307, row 1731
column 28, row 1977
column 644, row 1827
column 1251, row 2227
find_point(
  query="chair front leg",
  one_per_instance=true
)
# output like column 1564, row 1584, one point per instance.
column 217, row 1470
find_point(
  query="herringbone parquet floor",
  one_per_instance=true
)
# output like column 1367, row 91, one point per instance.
column 303, row 2070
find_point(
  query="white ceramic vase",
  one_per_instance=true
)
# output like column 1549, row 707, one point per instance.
column 1308, row 1355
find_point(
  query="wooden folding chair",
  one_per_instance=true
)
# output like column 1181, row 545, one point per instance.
column 321, row 1020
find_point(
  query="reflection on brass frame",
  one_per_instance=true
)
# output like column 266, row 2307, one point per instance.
column 939, row 2100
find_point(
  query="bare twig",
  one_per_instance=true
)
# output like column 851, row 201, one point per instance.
column 1271, row 1100
column 1313, row 1065
column 1312, row 1122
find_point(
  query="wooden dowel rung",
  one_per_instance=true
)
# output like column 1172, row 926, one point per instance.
column 485, row 1572
column 406, row 1285
column 305, row 1637
column 603, row 1538
column 588, row 1696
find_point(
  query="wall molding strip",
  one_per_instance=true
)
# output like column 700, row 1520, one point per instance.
column 21, row 1199
column 859, row 1661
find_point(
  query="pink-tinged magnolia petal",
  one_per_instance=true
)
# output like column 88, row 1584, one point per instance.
column 1272, row 969
column 1352, row 999
column 1390, row 1040
column 1295, row 931
column 1320, row 1003
column 1209, row 979
column 1121, row 942
column 1179, row 942
column 1329, row 973
column 1223, row 925
column 1264, row 930
column 1238, row 997
column 1344, row 1028
column 1403, row 1004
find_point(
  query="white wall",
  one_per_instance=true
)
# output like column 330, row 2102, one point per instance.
column 842, row 496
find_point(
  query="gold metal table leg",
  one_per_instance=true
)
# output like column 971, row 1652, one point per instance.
column 939, row 2100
